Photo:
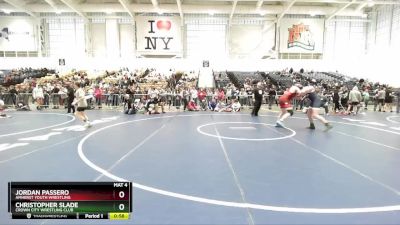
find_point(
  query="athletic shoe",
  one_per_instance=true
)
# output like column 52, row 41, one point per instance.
column 312, row 126
column 88, row 125
column 279, row 124
column 328, row 127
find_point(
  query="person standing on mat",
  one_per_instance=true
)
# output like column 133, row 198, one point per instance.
column 381, row 98
column 315, row 103
column 81, row 102
column 70, row 99
column 257, row 96
column 285, row 103
column 2, row 107
column 38, row 96
column 354, row 100
column 398, row 101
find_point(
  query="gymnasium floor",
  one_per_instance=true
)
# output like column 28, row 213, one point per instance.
column 215, row 168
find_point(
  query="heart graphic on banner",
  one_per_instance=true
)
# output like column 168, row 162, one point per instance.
column 164, row 25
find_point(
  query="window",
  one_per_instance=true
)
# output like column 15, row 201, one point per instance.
column 66, row 36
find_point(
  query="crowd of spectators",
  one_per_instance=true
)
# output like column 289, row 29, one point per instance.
column 153, row 91
column 16, row 76
column 334, row 89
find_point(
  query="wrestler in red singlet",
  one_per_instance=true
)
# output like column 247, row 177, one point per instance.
column 286, row 99
column 285, row 104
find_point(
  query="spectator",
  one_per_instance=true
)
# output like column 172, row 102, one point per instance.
column 236, row 106
column 70, row 99
column 194, row 94
column 63, row 95
column 56, row 97
column 381, row 98
column 271, row 97
column 388, row 100
column 13, row 94
column 365, row 99
column 162, row 99
column 21, row 106
column 192, row 106
column 221, row 95
column 185, row 98
column 212, row 105
column 98, row 94
column 336, row 100
column 38, row 96
column 202, row 94
column 129, row 105
column 354, row 99
column 2, row 107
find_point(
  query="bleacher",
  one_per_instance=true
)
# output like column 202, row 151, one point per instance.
column 279, row 79
column 13, row 77
column 238, row 78
column 221, row 79
column 336, row 76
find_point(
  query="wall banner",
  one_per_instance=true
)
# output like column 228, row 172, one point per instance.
column 158, row 35
column 17, row 34
column 301, row 35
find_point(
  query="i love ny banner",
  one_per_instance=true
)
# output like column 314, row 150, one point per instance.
column 158, row 35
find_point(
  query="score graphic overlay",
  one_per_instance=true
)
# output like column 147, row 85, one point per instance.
column 70, row 200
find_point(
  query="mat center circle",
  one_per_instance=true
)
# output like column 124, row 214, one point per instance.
column 245, row 131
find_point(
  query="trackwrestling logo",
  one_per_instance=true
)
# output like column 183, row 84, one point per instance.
column 300, row 36
column 4, row 33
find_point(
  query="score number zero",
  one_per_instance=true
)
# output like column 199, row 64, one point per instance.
column 121, row 195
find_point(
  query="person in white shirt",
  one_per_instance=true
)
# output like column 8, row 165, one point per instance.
column 194, row 93
column 153, row 93
column 354, row 100
column 2, row 107
column 80, row 101
column 380, row 95
column 38, row 96
column 236, row 106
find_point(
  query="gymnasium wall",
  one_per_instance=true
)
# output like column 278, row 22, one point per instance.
column 363, row 48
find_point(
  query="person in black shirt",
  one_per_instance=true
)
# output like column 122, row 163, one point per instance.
column 398, row 101
column 14, row 94
column 271, row 97
column 388, row 100
column 336, row 99
column 56, row 97
column 71, row 96
column 258, row 96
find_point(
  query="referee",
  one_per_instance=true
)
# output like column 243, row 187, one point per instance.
column 257, row 96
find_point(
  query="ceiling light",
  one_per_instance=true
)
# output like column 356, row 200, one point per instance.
column 312, row 14
column 364, row 15
column 211, row 13
column 6, row 11
column 58, row 12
